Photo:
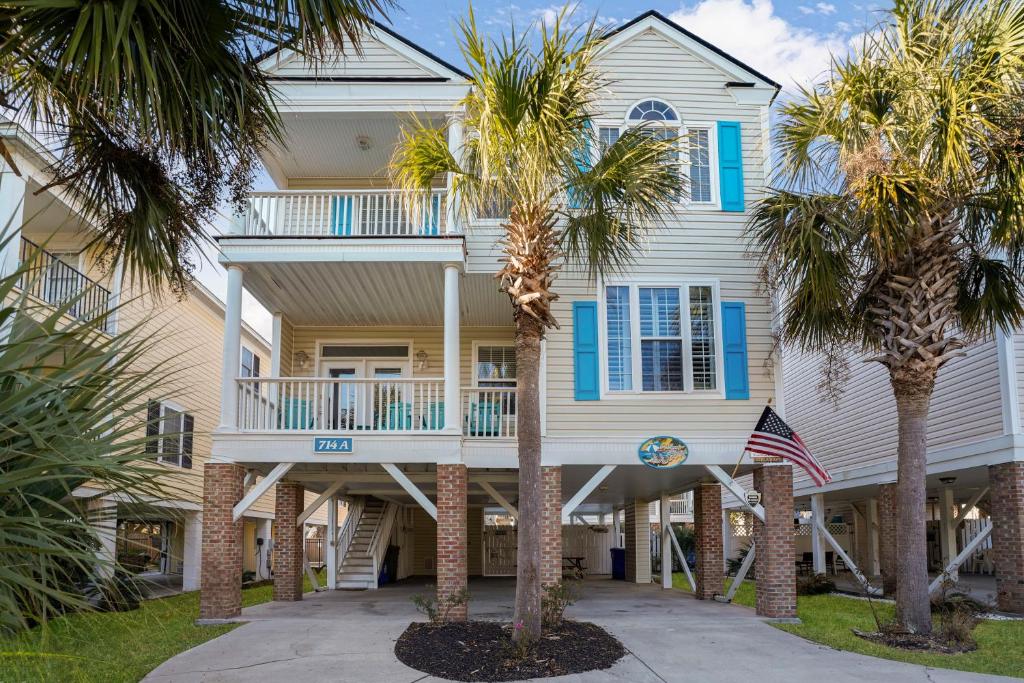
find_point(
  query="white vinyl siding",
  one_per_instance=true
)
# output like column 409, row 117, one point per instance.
column 376, row 59
column 861, row 428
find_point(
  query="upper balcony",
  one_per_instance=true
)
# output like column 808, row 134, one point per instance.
column 377, row 213
column 49, row 278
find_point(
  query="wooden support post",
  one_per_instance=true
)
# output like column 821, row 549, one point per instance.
column 666, row 542
column 817, row 548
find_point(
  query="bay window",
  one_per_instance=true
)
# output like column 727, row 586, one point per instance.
column 661, row 338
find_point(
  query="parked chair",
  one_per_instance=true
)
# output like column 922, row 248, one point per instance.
column 399, row 416
column 434, row 419
column 295, row 414
column 805, row 565
column 484, row 419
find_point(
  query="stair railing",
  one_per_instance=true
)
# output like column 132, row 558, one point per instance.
column 347, row 531
column 379, row 541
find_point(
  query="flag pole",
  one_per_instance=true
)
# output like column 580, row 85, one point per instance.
column 740, row 461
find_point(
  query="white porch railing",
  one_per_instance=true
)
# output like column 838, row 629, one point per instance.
column 346, row 213
column 340, row 405
column 489, row 413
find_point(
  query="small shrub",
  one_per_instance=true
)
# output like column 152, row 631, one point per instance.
column 816, row 584
column 438, row 612
column 556, row 598
column 116, row 594
column 956, row 625
column 734, row 564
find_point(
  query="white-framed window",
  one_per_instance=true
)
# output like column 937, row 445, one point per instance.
column 250, row 364
column 169, row 433
column 494, row 366
column 698, row 152
column 661, row 337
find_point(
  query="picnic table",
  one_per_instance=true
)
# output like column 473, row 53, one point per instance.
column 573, row 563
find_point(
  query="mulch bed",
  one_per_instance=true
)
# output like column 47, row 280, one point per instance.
column 483, row 651
column 915, row 642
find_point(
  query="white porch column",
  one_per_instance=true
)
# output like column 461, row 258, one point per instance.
column 12, row 216
column 454, row 146
column 192, row 550
column 102, row 516
column 331, row 548
column 451, row 348
column 872, row 568
column 947, row 528
column 616, row 529
column 232, row 350
column 666, row 541
column 817, row 546
column 275, row 345
column 726, row 537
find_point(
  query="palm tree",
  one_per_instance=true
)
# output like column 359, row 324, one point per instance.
column 896, row 224
column 530, row 147
column 159, row 108
column 72, row 408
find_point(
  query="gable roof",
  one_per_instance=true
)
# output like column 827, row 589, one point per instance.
column 654, row 14
column 418, row 54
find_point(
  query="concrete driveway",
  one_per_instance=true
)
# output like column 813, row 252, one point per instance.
column 349, row 636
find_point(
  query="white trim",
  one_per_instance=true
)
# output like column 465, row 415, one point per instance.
column 321, row 342
column 318, row 503
column 182, row 412
column 585, row 491
column 1008, row 381
column 410, row 488
column 241, row 250
column 260, row 488
column 634, row 283
column 499, row 498
column 733, row 487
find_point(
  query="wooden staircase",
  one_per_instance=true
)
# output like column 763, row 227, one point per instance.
column 357, row 569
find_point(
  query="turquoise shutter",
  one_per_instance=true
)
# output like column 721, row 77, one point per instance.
column 582, row 159
column 734, row 343
column 585, row 352
column 730, row 165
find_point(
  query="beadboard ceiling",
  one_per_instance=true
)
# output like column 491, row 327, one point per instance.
column 372, row 294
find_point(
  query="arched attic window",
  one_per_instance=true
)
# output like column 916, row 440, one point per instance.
column 652, row 110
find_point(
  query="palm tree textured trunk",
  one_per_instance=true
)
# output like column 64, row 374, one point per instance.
column 913, row 391
column 527, row 619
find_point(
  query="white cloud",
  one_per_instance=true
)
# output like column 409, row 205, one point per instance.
column 752, row 32
column 825, row 8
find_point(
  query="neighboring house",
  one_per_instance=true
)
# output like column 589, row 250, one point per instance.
column 393, row 379
column 975, row 460
column 160, row 538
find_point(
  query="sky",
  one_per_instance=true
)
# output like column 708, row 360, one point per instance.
column 788, row 40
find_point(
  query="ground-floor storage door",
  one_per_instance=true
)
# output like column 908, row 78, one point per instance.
column 499, row 550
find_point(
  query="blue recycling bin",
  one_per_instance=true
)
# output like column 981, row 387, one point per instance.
column 619, row 564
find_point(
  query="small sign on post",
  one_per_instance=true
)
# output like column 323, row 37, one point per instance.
column 332, row 444
column 753, row 498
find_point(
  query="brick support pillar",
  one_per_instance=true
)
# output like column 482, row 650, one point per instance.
column 220, row 592
column 887, row 537
column 1006, row 481
column 288, row 550
column 638, row 541
column 775, row 563
column 551, row 534
column 452, row 536
column 707, row 523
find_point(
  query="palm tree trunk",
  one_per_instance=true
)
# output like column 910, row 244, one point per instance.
column 527, row 619
column 913, row 391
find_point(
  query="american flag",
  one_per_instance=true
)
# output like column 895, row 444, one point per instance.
column 773, row 437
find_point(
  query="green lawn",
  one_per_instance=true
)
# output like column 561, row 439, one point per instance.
column 112, row 647
column 828, row 619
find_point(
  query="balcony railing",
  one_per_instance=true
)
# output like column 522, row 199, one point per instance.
column 346, row 213
column 48, row 278
column 369, row 406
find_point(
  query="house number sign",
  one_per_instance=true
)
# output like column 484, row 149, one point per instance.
column 332, row 444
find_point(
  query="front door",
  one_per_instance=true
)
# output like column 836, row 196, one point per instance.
column 367, row 405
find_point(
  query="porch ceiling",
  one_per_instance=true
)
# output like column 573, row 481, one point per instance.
column 319, row 146
column 629, row 482
column 968, row 482
column 372, row 294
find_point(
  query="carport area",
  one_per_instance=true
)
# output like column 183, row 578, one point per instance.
column 670, row 636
